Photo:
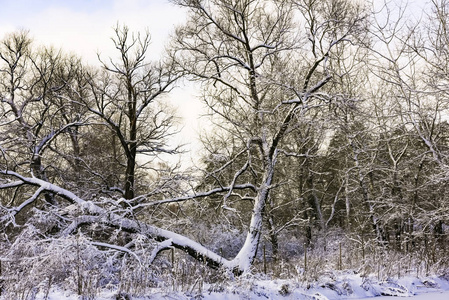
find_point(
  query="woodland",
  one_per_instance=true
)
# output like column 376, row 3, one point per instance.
column 328, row 149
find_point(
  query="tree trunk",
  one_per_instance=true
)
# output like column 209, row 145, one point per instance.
column 132, row 144
column 248, row 252
column 272, row 231
column 314, row 202
column 39, row 172
column 130, row 170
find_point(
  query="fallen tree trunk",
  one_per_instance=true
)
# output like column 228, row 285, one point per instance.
column 93, row 213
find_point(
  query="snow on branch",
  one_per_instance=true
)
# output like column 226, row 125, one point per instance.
column 12, row 184
column 233, row 185
column 118, row 248
column 12, row 212
column 198, row 195
column 165, row 245
column 97, row 214
column 46, row 140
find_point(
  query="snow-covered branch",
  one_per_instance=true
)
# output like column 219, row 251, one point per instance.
column 11, row 185
column 118, row 248
column 198, row 195
column 96, row 214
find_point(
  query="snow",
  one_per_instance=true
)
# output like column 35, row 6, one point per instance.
column 344, row 286
column 425, row 296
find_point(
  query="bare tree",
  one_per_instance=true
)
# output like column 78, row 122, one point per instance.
column 32, row 117
column 239, row 51
column 127, row 102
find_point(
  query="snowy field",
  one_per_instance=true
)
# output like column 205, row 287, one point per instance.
column 426, row 296
column 345, row 286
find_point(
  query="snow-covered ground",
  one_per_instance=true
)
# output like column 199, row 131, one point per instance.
column 425, row 296
column 343, row 286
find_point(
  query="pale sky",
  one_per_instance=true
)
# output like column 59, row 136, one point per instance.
column 84, row 28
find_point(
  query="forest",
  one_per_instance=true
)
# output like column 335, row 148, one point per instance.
column 327, row 149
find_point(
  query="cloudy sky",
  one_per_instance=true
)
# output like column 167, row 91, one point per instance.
column 84, row 27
